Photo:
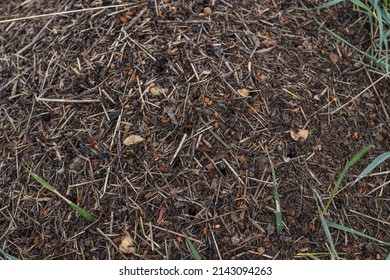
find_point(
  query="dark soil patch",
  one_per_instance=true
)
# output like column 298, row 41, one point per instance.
column 209, row 94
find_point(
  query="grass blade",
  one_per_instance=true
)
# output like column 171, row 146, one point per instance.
column 325, row 227
column 313, row 256
column 329, row 4
column 358, row 156
column 381, row 30
column 278, row 213
column 370, row 57
column 7, row 256
column 141, row 221
column 41, row 181
column 362, row 6
column 377, row 161
column 388, row 257
column 85, row 214
column 355, row 159
column 194, row 253
column 340, row 227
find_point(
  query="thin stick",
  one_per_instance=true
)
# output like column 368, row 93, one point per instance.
column 151, row 235
column 69, row 12
column 142, row 48
column 178, row 148
column 156, row 7
column 234, row 171
column 216, row 136
column 360, row 93
column 368, row 217
column 68, row 100
column 106, row 181
column 184, row 22
column 176, row 233
column 215, row 243
column 380, row 99
column 379, row 187
column 36, row 38
column 111, row 242
column 118, row 123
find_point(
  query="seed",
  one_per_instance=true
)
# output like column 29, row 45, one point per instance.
column 207, row 11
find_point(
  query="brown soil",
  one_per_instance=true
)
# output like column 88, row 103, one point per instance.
column 210, row 92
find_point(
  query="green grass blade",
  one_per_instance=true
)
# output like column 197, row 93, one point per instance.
column 355, row 159
column 381, row 30
column 141, row 221
column 86, row 215
column 377, row 161
column 278, row 213
column 313, row 256
column 376, row 3
column 340, row 227
column 349, row 44
column 375, row 69
column 7, row 256
column 388, row 257
column 48, row 186
column 329, row 4
column 362, row 5
column 325, row 227
column 194, row 253
column 41, row 181
column 386, row 16
column 358, row 156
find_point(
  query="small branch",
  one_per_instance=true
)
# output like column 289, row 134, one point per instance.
column 36, row 38
column 360, row 93
column 70, row 12
column 68, row 100
column 233, row 171
column 178, row 148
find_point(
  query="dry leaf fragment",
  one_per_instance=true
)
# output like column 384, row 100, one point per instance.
column 333, row 57
column 127, row 245
column 161, row 215
column 260, row 76
column 37, row 240
column 163, row 168
column 301, row 134
column 269, row 43
column 208, row 101
column 155, row 90
column 243, row 92
column 261, row 250
column 235, row 240
column 132, row 140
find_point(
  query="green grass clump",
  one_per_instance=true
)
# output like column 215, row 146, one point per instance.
column 7, row 256
column 193, row 250
column 326, row 225
column 45, row 184
column 377, row 14
column 354, row 160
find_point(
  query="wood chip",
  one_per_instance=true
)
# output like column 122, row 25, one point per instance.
column 132, row 140
column 333, row 57
column 243, row 92
column 127, row 245
column 301, row 134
